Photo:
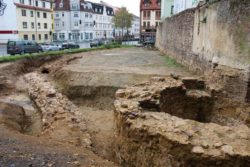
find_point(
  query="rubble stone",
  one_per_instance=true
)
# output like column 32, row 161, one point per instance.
column 161, row 139
column 57, row 110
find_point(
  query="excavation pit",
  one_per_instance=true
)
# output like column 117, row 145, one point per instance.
column 162, row 123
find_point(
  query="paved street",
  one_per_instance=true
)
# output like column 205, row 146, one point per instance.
column 3, row 50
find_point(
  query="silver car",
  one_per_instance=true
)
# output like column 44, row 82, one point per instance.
column 50, row 47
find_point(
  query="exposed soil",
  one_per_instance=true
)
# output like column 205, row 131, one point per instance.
column 90, row 81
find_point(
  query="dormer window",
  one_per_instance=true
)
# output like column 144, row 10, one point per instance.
column 147, row 2
column 159, row 2
column 61, row 5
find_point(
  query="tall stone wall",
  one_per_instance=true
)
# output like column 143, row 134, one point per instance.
column 175, row 35
column 213, row 39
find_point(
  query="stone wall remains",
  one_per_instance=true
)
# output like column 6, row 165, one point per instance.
column 213, row 39
column 147, row 135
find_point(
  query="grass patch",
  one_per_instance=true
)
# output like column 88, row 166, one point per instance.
column 60, row 53
column 171, row 62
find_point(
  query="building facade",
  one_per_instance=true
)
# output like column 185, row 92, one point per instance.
column 150, row 12
column 135, row 28
column 167, row 8
column 30, row 20
column 181, row 5
column 79, row 20
column 103, row 25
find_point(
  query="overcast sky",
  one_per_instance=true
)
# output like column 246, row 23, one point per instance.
column 131, row 5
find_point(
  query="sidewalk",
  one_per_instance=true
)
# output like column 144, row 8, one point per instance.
column 3, row 49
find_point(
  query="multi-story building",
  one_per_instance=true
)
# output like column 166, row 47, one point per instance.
column 135, row 28
column 167, row 8
column 150, row 11
column 30, row 20
column 80, row 20
column 103, row 25
column 87, row 17
column 181, row 5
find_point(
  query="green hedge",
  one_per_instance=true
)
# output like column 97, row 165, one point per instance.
column 59, row 53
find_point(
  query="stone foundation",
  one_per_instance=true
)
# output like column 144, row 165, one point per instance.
column 61, row 119
column 147, row 135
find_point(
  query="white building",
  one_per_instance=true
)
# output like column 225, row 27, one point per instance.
column 181, row 5
column 8, row 27
column 103, row 25
column 80, row 20
column 25, row 19
column 135, row 29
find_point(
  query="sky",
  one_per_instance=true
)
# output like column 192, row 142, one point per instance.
column 131, row 5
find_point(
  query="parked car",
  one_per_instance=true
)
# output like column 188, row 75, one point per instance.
column 149, row 41
column 51, row 47
column 70, row 45
column 96, row 43
column 22, row 47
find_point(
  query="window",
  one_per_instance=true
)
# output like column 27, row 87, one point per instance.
column 39, row 36
column 172, row 9
column 39, row 25
column 45, row 15
column 30, row 2
column 61, row 36
column 144, row 24
column 33, row 37
column 62, row 15
column 61, row 5
column 57, row 14
column 148, row 24
column 45, row 25
column 44, row 5
column 32, row 25
column 76, row 24
column 148, row 14
column 147, row 3
column 86, row 15
column 157, row 15
column 38, row 14
column 144, row 14
column 25, row 25
column 23, row 12
column 75, row 14
column 25, row 37
column 63, row 23
column 156, row 24
column 22, row 1
column 46, row 36
column 159, row 2
column 37, row 3
column 31, row 13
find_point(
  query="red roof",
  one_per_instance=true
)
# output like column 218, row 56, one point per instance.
column 32, row 7
column 153, row 5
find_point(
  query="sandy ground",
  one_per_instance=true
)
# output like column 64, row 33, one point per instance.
column 110, row 68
